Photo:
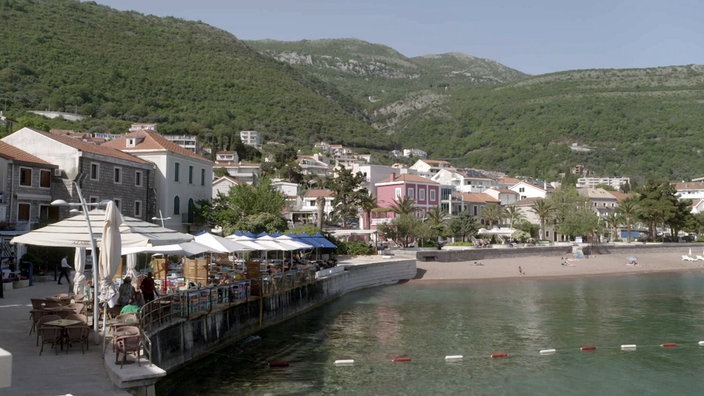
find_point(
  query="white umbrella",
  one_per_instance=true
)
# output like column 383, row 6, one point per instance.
column 178, row 249
column 247, row 241
column 131, row 270
column 287, row 240
column 110, row 252
column 220, row 244
column 79, row 279
column 73, row 232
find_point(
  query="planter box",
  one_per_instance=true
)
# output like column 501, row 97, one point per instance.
column 7, row 286
column 20, row 284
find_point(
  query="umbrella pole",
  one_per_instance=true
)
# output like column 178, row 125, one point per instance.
column 94, row 258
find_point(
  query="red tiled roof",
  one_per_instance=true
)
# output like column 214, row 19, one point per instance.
column 406, row 178
column 152, row 141
column 478, row 197
column 100, row 150
column 319, row 193
column 13, row 153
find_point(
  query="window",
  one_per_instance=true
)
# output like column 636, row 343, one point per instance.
column 44, row 213
column 521, row 189
column 94, row 171
column 45, row 178
column 94, row 199
column 411, row 193
column 421, row 195
column 23, row 212
column 190, row 174
column 397, row 193
column 177, row 205
column 177, row 169
column 138, row 178
column 117, row 175
column 137, row 209
column 25, row 176
column 117, row 203
column 431, row 194
column 202, row 177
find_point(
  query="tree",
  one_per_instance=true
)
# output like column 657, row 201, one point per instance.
column 436, row 220
column 465, row 226
column 404, row 206
column 573, row 214
column 349, row 193
column 628, row 211
column 492, row 213
column 367, row 203
column 514, row 215
column 657, row 205
column 246, row 206
column 543, row 209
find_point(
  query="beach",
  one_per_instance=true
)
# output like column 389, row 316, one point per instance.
column 552, row 266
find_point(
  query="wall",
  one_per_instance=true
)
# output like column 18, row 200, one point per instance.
column 183, row 341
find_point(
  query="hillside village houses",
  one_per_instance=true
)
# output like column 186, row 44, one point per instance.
column 166, row 180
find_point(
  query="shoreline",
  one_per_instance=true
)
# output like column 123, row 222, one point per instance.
column 537, row 267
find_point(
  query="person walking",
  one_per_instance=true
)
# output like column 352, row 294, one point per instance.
column 148, row 288
column 65, row 270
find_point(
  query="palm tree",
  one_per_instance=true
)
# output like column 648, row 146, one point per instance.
column 367, row 203
column 543, row 210
column 436, row 219
column 628, row 210
column 514, row 215
column 493, row 213
column 404, row 206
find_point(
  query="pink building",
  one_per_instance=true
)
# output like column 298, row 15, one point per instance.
column 424, row 192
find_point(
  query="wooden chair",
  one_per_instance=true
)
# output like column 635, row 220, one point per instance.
column 48, row 334
column 79, row 308
column 81, row 317
column 77, row 333
column 36, row 312
column 128, row 344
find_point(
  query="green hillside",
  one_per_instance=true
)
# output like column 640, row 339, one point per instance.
column 122, row 67
column 642, row 123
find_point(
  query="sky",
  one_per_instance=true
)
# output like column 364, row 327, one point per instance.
column 532, row 36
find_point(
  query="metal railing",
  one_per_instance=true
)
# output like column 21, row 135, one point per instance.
column 186, row 304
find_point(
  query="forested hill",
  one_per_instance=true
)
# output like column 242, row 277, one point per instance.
column 122, row 67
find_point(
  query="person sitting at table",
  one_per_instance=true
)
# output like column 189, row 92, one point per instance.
column 126, row 292
column 130, row 307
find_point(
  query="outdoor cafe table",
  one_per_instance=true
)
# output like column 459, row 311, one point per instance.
column 62, row 310
column 63, row 324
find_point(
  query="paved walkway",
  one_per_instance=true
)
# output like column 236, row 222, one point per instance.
column 49, row 374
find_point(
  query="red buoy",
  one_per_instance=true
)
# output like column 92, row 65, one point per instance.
column 588, row 348
column 499, row 355
column 669, row 345
column 278, row 364
column 401, row 359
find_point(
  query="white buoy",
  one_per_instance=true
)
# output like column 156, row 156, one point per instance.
column 628, row 347
column 547, row 351
column 453, row 358
column 344, row 362
column 701, row 343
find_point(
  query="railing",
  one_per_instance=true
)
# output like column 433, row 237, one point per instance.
column 188, row 303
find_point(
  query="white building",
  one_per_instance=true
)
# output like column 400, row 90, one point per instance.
column 182, row 178
column 251, row 138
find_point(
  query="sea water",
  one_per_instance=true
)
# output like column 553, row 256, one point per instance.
column 428, row 321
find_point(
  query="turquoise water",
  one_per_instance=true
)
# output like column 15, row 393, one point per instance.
column 427, row 322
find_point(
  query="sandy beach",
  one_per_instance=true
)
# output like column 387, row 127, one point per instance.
column 551, row 266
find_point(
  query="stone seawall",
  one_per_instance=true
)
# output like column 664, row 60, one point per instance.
column 181, row 342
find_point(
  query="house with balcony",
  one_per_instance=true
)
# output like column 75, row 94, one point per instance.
column 603, row 202
column 101, row 172
column 503, row 195
column 223, row 184
column 314, row 165
column 530, row 189
column 473, row 203
column 306, row 211
column 464, row 180
column 424, row 192
column 182, row 177
column 428, row 168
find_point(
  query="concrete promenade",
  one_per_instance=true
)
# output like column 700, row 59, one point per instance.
column 49, row 374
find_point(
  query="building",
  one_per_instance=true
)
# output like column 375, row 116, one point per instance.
column 182, row 178
column 613, row 182
column 189, row 142
column 428, row 168
column 424, row 192
column 25, row 189
column 223, row 184
column 101, row 172
column 465, row 180
column 251, row 138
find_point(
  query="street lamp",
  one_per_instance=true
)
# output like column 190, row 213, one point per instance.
column 93, row 254
column 162, row 218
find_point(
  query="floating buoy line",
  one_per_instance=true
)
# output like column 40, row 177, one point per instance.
column 506, row 355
